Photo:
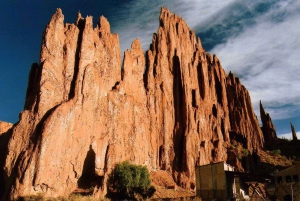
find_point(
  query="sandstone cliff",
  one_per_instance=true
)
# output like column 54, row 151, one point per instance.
column 84, row 113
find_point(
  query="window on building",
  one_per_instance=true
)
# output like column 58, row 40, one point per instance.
column 288, row 179
column 295, row 178
column 279, row 179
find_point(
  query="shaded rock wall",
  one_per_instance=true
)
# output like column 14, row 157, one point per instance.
column 5, row 134
column 268, row 128
column 243, row 121
column 171, row 109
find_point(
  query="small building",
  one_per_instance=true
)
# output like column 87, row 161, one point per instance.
column 287, row 183
column 219, row 181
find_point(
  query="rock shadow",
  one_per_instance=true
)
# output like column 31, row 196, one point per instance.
column 88, row 172
column 180, row 114
column 4, row 140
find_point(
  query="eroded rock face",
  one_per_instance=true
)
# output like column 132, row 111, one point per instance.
column 84, row 114
column 244, row 124
column 186, row 99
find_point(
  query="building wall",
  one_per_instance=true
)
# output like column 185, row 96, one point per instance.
column 287, row 182
column 211, row 181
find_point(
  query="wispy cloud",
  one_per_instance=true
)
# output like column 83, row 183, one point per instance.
column 265, row 55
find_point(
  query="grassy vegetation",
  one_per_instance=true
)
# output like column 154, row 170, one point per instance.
column 275, row 158
column 41, row 197
column 127, row 181
column 239, row 151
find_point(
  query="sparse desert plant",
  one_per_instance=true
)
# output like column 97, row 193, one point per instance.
column 241, row 152
column 131, row 181
column 269, row 160
column 38, row 197
column 231, row 146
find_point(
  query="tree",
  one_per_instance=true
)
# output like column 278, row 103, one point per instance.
column 131, row 181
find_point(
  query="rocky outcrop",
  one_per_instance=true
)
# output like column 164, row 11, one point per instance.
column 170, row 110
column 294, row 135
column 4, row 126
column 267, row 128
column 244, row 124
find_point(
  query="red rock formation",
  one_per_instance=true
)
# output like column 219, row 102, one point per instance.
column 83, row 114
column 4, row 126
column 268, row 128
column 186, row 99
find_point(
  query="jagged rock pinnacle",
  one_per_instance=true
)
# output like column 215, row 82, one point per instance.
column 294, row 135
column 268, row 128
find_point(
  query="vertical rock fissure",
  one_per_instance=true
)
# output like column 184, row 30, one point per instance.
column 201, row 81
column 218, row 87
column 146, row 71
column 106, row 157
column 32, row 84
column 194, row 102
column 80, row 25
column 160, row 157
column 178, row 97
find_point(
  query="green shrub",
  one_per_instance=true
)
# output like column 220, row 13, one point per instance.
column 276, row 152
column 240, row 157
column 131, row 181
column 245, row 152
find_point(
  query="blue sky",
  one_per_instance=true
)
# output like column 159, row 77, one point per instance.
column 258, row 40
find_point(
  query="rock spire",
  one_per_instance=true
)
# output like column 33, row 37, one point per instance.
column 294, row 135
column 268, row 128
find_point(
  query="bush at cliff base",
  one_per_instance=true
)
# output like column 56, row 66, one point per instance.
column 131, row 181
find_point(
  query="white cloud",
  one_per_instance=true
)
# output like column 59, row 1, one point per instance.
column 288, row 136
column 266, row 58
